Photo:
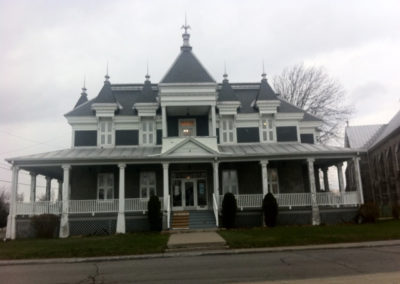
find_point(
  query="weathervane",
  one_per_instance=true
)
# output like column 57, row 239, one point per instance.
column 185, row 26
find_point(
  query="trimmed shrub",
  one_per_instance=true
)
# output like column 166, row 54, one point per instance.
column 3, row 210
column 368, row 213
column 395, row 211
column 229, row 208
column 154, row 213
column 270, row 210
column 46, row 225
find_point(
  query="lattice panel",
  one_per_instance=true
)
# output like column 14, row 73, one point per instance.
column 92, row 227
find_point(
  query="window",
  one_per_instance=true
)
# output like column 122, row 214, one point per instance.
column 267, row 130
column 148, row 132
column 105, row 132
column 229, row 181
column 105, row 186
column 147, row 184
column 187, row 127
column 227, row 130
column 273, row 181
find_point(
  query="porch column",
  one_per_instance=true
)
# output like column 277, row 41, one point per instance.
column 60, row 188
column 121, row 200
column 64, row 224
column 32, row 196
column 165, row 185
column 356, row 161
column 264, row 173
column 317, row 181
column 213, row 121
column 316, row 220
column 326, row 180
column 11, row 222
column 164, row 121
column 216, row 180
column 340, row 177
column 48, row 188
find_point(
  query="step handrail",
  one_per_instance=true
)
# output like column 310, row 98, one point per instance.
column 215, row 207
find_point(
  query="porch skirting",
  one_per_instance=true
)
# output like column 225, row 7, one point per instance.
column 302, row 216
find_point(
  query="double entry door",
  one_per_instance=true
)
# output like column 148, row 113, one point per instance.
column 189, row 193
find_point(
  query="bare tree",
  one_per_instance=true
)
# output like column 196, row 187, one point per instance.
column 313, row 90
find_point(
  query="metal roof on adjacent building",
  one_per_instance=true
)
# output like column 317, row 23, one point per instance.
column 368, row 136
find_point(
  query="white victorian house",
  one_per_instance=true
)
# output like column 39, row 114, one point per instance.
column 188, row 140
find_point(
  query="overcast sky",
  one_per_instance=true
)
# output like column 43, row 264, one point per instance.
column 47, row 47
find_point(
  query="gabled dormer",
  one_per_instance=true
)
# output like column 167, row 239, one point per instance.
column 227, row 105
column 146, row 106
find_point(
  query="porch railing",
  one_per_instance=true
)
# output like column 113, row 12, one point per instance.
column 298, row 199
column 82, row 206
column 37, row 208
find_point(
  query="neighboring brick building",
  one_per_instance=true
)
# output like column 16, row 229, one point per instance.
column 380, row 164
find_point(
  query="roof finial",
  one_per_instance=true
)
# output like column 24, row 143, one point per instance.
column 185, row 35
column 225, row 74
column 107, row 76
column 84, row 85
column 263, row 75
column 147, row 71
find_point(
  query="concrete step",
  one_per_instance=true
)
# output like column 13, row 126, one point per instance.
column 196, row 241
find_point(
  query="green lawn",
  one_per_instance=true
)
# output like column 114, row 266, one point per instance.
column 137, row 243
column 309, row 235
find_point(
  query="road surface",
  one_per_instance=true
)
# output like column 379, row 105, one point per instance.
column 363, row 265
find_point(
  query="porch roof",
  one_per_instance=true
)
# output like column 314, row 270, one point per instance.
column 284, row 150
column 154, row 153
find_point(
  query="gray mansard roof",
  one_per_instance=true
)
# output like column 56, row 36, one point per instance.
column 127, row 95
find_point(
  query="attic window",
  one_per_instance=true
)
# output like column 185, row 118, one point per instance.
column 267, row 130
column 105, row 132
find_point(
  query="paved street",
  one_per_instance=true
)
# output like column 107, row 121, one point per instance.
column 361, row 265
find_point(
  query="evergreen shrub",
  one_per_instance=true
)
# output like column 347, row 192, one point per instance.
column 229, row 208
column 270, row 210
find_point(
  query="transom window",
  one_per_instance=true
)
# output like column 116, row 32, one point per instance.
column 227, row 130
column 105, row 186
column 147, row 184
column 267, row 130
column 273, row 181
column 187, row 127
column 148, row 132
column 105, row 132
column 229, row 181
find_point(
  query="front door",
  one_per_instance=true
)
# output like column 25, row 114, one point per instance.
column 189, row 194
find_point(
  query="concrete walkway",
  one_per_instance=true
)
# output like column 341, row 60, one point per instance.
column 195, row 241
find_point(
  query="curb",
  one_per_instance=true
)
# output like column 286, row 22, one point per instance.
column 200, row 253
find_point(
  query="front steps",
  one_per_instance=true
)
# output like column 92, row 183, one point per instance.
column 180, row 220
column 193, row 220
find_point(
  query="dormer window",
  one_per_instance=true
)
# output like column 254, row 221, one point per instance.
column 267, row 130
column 148, row 134
column 106, row 138
column 187, row 127
column 227, row 129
